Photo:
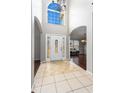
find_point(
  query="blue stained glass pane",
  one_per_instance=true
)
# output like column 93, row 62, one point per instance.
column 54, row 10
column 54, row 6
column 53, row 17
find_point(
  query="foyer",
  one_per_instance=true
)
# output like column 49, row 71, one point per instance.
column 62, row 46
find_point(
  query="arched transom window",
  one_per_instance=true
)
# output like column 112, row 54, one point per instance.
column 56, row 12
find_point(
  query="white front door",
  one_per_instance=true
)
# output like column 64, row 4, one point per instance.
column 56, row 47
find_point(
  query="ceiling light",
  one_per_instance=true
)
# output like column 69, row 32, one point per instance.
column 83, row 41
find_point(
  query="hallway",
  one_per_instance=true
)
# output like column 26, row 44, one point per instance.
column 62, row 77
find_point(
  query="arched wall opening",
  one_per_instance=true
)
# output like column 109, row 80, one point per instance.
column 78, row 43
column 37, row 43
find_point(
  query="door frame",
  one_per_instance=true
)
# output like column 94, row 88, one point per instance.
column 46, row 44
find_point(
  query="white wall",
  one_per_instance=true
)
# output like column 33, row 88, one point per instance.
column 37, row 9
column 80, row 14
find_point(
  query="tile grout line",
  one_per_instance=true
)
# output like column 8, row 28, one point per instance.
column 38, row 80
column 82, row 83
column 68, row 84
column 50, row 83
column 55, row 83
column 43, row 78
column 75, row 77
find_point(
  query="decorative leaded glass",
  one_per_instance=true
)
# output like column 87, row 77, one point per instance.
column 56, row 11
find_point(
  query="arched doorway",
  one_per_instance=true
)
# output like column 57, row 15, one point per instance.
column 37, row 43
column 78, row 46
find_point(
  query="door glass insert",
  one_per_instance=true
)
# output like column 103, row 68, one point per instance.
column 63, row 49
column 56, row 47
column 48, row 47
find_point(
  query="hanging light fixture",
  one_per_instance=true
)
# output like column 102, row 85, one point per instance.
column 83, row 41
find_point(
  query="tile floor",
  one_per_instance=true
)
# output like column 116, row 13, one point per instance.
column 62, row 77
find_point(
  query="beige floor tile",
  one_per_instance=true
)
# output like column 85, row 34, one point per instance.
column 48, row 88
column 83, row 71
column 57, row 72
column 78, row 73
column 69, row 75
column 78, row 68
column 47, row 74
column 48, row 80
column 82, row 90
column 90, row 89
column 70, row 92
column 37, row 90
column 60, row 72
column 63, row 87
column 59, row 77
column 75, row 84
column 39, row 75
column 85, row 81
column 90, row 77
column 37, row 83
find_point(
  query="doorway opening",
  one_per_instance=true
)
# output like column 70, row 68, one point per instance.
column 78, row 43
column 37, row 41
